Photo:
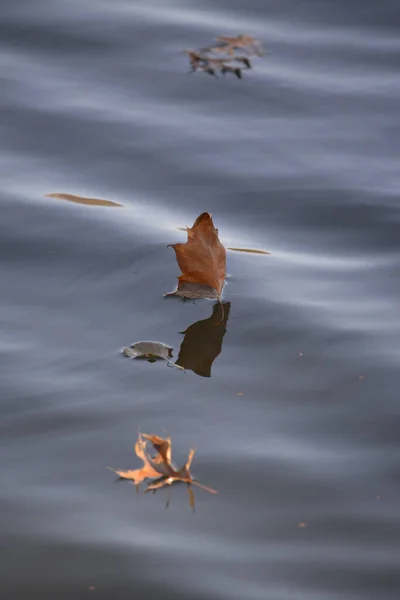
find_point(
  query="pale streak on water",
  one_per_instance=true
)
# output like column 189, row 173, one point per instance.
column 299, row 422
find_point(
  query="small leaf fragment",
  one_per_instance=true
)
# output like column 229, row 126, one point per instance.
column 84, row 200
column 249, row 250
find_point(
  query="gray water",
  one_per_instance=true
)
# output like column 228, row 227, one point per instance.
column 298, row 426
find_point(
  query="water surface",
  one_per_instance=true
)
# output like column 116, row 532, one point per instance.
column 298, row 424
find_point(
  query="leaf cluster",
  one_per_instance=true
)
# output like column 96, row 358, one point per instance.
column 235, row 50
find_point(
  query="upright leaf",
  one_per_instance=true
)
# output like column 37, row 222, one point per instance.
column 202, row 260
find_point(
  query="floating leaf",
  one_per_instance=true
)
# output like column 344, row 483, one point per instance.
column 249, row 250
column 150, row 351
column 160, row 468
column 203, row 342
column 83, row 200
column 148, row 471
column 202, row 260
column 207, row 60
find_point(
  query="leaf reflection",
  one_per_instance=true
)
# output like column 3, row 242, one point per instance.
column 203, row 341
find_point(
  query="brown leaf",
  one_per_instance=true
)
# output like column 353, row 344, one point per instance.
column 160, row 469
column 148, row 471
column 183, row 474
column 83, row 200
column 203, row 341
column 163, row 449
column 202, row 260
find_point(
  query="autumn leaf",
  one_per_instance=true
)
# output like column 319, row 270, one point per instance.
column 83, row 200
column 202, row 260
column 160, row 469
column 148, row 471
column 228, row 55
column 162, row 446
column 172, row 473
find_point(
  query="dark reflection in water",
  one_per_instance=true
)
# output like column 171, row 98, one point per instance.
column 203, row 341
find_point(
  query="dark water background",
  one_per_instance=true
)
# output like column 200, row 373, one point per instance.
column 300, row 158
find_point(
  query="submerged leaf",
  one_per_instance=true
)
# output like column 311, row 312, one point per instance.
column 148, row 350
column 202, row 260
column 83, row 200
column 193, row 291
column 203, row 341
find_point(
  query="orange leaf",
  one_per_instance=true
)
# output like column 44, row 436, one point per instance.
column 149, row 469
column 202, row 260
column 160, row 469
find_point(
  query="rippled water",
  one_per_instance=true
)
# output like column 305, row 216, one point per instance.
column 298, row 425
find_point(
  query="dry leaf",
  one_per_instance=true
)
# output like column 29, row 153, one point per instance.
column 148, row 471
column 207, row 60
column 160, row 468
column 202, row 260
column 83, row 200
column 203, row 341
